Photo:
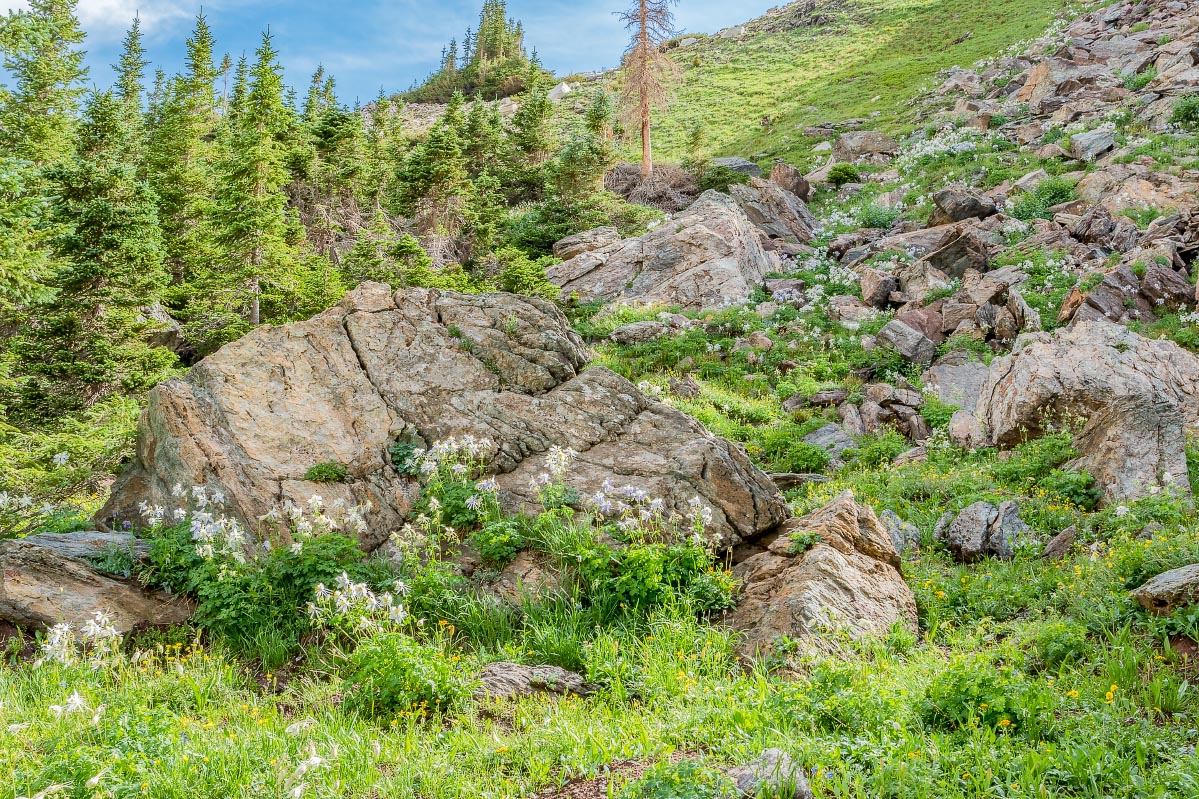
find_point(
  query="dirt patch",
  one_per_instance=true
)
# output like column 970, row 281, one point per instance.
column 597, row 788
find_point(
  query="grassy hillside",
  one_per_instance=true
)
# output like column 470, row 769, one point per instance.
column 872, row 57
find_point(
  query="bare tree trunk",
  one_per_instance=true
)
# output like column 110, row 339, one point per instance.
column 647, row 152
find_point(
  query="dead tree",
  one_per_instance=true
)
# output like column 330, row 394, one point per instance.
column 649, row 74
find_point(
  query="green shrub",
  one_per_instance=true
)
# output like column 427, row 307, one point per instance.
column 1186, row 112
column 451, row 502
column 873, row 215
column 393, row 674
column 643, row 576
column 802, row 541
column 686, row 779
column 720, row 177
column 1059, row 643
column 330, row 472
column 520, row 274
column 1135, row 81
column 881, row 448
column 1036, row 204
column 536, row 228
column 264, row 598
column 1078, row 487
column 403, row 458
column 973, row 691
column 1033, row 460
column 937, row 413
column 842, row 173
column 499, row 541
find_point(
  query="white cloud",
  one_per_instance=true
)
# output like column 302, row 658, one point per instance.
column 104, row 18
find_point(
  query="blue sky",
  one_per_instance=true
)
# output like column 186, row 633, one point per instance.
column 379, row 43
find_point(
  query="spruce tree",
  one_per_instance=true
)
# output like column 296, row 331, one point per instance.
column 131, row 70
column 250, row 219
column 42, row 56
column 88, row 342
column 434, row 185
column 180, row 152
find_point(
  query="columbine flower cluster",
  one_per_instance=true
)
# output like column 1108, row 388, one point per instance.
column 98, row 642
column 638, row 514
column 315, row 519
column 354, row 608
column 454, row 456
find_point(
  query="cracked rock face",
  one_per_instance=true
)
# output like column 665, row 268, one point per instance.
column 708, row 256
column 422, row 366
column 849, row 580
column 1136, row 397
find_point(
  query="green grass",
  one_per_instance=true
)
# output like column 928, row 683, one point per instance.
column 885, row 49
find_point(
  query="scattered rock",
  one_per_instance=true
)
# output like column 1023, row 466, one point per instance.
column 1170, row 591
column 773, row 774
column 1087, row 147
column 640, row 332
column 849, row 579
column 1061, row 544
column 41, row 585
column 737, row 164
column 858, row 145
column 982, row 529
column 913, row 345
column 513, row 681
column 904, row 535
column 833, row 439
column 957, row 204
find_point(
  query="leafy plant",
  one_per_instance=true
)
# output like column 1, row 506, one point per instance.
column 330, row 472
column 1186, row 112
column 393, row 674
column 686, row 779
column 842, row 173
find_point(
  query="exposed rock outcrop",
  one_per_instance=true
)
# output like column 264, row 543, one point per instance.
column 708, row 256
column 1137, row 398
column 848, row 579
column 513, row 681
column 421, row 366
column 43, row 584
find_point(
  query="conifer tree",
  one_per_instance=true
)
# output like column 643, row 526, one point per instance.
column 484, row 145
column 42, row 55
column 180, row 151
column 371, row 257
column 434, row 185
column 577, row 172
column 87, row 342
column 131, row 71
column 648, row 71
column 250, row 219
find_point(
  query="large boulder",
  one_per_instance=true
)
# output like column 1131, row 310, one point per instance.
column 848, row 579
column 1169, row 591
column 776, row 211
column 858, row 145
column 43, row 584
column 1138, row 399
column 421, row 366
column 708, row 256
